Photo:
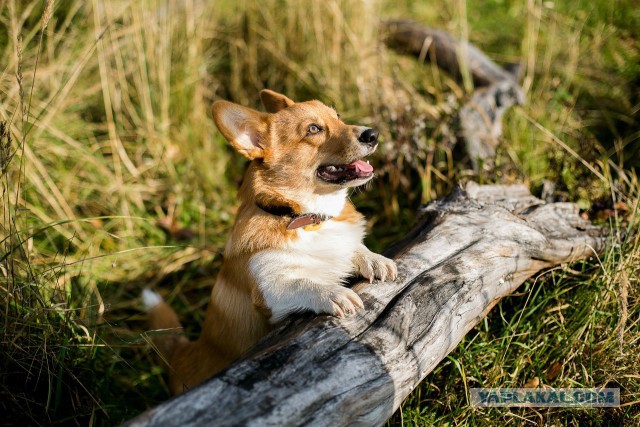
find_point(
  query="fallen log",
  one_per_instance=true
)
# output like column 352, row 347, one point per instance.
column 496, row 89
column 444, row 50
column 466, row 252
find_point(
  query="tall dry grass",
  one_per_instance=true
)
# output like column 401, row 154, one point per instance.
column 116, row 178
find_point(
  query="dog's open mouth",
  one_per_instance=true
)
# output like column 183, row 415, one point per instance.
column 339, row 174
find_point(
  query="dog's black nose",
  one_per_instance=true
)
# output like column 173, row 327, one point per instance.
column 369, row 136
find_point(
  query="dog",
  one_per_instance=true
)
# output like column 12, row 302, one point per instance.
column 295, row 240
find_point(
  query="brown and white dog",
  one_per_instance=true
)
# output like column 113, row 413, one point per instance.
column 296, row 238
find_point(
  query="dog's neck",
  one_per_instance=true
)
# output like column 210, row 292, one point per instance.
column 299, row 202
column 328, row 205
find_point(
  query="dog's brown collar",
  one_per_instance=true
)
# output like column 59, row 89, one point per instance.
column 297, row 221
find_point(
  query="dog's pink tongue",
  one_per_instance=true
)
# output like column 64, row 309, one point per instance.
column 362, row 166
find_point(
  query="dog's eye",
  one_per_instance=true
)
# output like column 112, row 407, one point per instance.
column 313, row 129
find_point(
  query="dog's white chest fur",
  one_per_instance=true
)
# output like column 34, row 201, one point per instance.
column 316, row 259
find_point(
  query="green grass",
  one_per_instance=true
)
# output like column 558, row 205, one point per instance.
column 107, row 108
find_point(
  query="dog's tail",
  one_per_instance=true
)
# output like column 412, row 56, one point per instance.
column 168, row 333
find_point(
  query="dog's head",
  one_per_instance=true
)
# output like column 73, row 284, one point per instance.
column 299, row 144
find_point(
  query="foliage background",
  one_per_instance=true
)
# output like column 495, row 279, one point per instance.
column 113, row 177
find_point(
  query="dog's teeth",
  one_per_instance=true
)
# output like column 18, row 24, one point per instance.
column 331, row 168
column 368, row 162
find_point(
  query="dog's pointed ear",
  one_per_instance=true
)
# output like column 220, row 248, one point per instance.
column 274, row 101
column 244, row 128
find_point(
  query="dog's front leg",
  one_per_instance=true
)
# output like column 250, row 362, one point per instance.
column 374, row 266
column 286, row 296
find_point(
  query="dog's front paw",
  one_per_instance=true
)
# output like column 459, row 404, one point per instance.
column 374, row 266
column 339, row 301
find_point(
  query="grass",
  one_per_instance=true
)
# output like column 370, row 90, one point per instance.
column 113, row 177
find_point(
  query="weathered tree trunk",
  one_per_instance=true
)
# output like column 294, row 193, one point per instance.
column 444, row 50
column 466, row 252
column 496, row 89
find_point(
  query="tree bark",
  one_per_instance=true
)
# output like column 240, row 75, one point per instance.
column 466, row 252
